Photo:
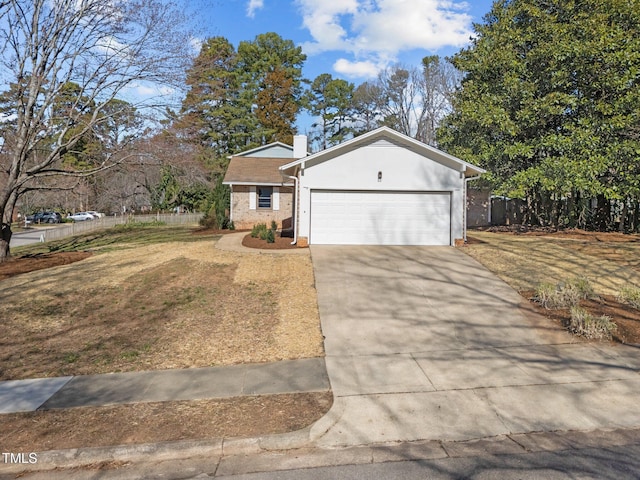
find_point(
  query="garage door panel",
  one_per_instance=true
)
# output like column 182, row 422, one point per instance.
column 380, row 218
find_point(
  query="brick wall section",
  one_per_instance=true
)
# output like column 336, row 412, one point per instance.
column 244, row 218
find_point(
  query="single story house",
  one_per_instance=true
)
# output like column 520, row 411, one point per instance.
column 259, row 193
column 381, row 188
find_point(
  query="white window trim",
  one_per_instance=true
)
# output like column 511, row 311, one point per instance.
column 275, row 198
column 253, row 197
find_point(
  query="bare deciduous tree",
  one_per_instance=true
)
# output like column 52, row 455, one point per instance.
column 438, row 82
column 413, row 101
column 101, row 48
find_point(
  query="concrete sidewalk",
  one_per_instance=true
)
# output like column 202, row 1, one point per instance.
column 289, row 376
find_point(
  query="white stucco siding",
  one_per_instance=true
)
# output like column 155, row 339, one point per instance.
column 401, row 169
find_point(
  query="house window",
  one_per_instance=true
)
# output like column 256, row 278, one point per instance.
column 264, row 197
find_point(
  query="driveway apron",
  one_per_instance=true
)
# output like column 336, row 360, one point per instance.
column 424, row 343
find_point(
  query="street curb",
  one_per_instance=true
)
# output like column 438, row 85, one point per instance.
column 318, row 429
column 80, row 457
column 246, row 455
column 176, row 450
column 267, row 443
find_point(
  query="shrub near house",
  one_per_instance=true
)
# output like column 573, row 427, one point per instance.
column 261, row 231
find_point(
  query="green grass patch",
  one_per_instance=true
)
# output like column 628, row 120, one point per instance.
column 133, row 225
column 630, row 295
column 71, row 357
column 591, row 326
column 130, row 235
column 564, row 294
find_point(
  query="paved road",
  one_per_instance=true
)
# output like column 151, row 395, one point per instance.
column 27, row 237
column 615, row 463
column 595, row 455
column 425, row 343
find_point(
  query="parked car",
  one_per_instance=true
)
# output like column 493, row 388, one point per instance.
column 44, row 217
column 81, row 216
column 51, row 217
column 96, row 214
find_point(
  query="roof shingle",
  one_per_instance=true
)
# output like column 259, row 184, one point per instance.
column 255, row 170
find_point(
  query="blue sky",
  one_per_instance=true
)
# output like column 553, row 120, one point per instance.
column 351, row 39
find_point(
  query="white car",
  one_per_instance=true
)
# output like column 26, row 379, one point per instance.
column 81, row 216
column 96, row 214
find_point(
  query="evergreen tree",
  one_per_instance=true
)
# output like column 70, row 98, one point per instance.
column 331, row 101
column 271, row 71
column 215, row 114
column 549, row 105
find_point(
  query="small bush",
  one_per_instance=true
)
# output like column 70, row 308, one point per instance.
column 271, row 236
column 214, row 219
column 563, row 295
column 630, row 296
column 546, row 294
column 231, row 225
column 589, row 326
column 274, row 225
column 582, row 286
column 259, row 230
column 569, row 295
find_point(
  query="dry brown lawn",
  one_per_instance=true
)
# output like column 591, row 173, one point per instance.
column 524, row 261
column 160, row 421
column 158, row 306
column 609, row 261
column 135, row 304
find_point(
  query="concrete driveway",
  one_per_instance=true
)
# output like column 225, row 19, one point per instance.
column 423, row 343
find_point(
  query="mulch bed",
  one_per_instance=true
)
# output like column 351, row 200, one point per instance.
column 281, row 243
column 31, row 263
column 624, row 316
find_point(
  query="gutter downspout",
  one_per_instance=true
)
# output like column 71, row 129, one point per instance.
column 295, row 206
column 464, row 210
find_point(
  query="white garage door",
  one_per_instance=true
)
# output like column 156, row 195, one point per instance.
column 380, row 218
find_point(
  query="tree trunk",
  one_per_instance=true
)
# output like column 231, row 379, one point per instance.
column 5, row 239
column 603, row 214
column 623, row 216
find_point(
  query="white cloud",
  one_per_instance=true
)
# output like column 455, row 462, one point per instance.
column 400, row 24
column 112, row 46
column 356, row 69
column 376, row 31
column 254, row 5
column 196, row 44
column 322, row 19
column 152, row 90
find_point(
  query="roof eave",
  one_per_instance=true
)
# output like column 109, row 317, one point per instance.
column 269, row 184
column 378, row 132
column 262, row 147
